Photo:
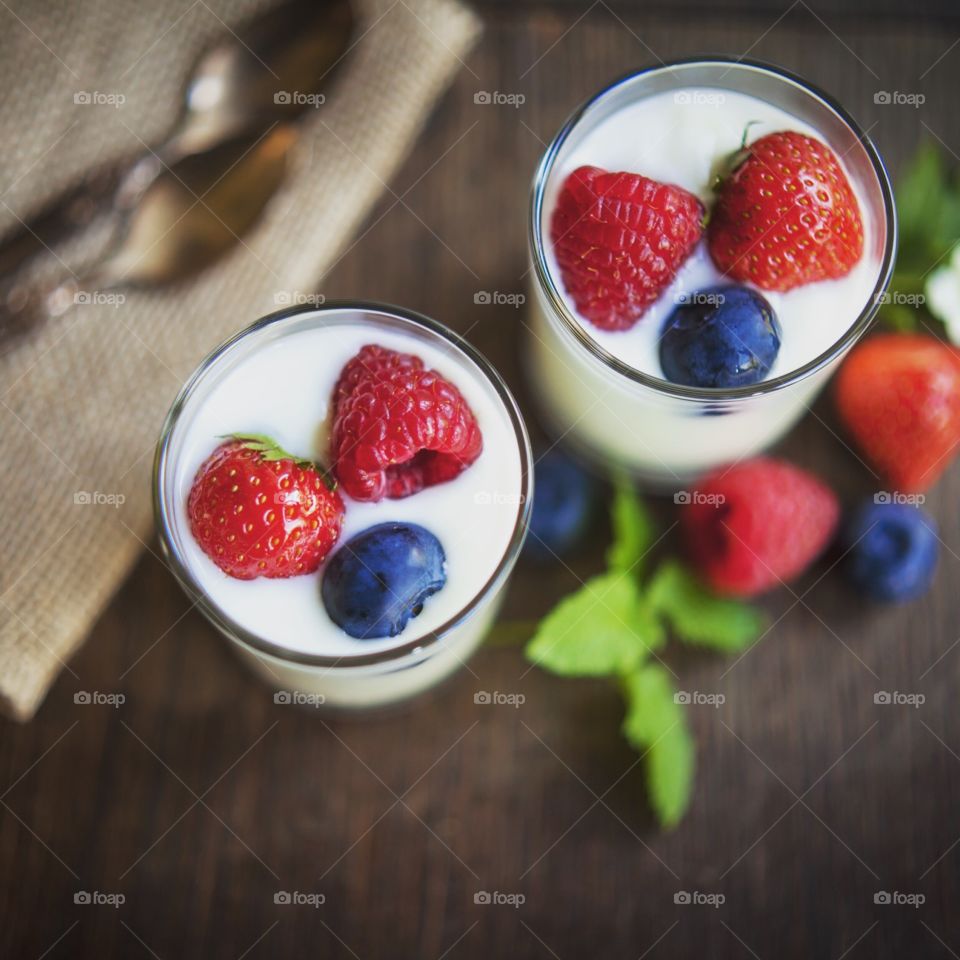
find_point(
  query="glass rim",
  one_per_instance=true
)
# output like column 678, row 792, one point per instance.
column 416, row 650
column 574, row 327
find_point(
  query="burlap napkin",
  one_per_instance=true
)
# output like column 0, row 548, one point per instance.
column 82, row 403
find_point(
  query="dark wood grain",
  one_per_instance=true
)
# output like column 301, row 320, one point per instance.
column 199, row 798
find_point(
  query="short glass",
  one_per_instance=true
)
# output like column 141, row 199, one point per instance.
column 361, row 680
column 666, row 434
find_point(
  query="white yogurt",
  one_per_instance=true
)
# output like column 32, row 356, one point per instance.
column 680, row 136
column 282, row 387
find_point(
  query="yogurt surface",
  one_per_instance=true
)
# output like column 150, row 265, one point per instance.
column 283, row 389
column 679, row 137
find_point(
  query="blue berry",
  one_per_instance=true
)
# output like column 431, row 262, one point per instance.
column 381, row 577
column 563, row 494
column 893, row 551
column 720, row 337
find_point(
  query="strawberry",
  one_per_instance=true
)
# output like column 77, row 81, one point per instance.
column 619, row 240
column 786, row 215
column 899, row 397
column 256, row 511
column 758, row 524
column 398, row 427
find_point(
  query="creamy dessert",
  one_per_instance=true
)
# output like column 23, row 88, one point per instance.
column 677, row 272
column 346, row 488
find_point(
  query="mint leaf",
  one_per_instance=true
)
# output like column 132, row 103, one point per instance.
column 595, row 631
column 651, row 708
column 919, row 195
column 633, row 529
column 670, row 767
column 699, row 617
column 655, row 726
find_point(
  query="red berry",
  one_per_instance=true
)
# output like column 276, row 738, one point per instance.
column 786, row 215
column 398, row 427
column 899, row 397
column 258, row 512
column 619, row 240
column 758, row 524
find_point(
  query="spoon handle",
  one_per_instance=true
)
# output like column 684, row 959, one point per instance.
column 72, row 210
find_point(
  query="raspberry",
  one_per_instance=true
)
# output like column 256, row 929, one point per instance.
column 398, row 427
column 619, row 240
column 758, row 524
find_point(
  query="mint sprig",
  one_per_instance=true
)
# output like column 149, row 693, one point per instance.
column 615, row 624
column 928, row 212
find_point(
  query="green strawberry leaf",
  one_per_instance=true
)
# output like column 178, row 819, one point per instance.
column 598, row 630
column 633, row 528
column 697, row 616
column 270, row 451
column 655, row 726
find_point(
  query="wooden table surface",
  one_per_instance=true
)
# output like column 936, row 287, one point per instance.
column 199, row 799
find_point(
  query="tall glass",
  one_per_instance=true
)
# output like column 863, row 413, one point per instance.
column 361, row 679
column 664, row 433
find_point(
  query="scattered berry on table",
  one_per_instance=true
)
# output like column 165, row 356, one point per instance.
column 899, row 397
column 892, row 551
column 758, row 524
column 563, row 497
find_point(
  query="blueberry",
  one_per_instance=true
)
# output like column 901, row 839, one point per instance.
column 381, row 577
column 892, row 551
column 563, row 496
column 720, row 337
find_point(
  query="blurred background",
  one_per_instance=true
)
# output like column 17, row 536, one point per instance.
column 191, row 798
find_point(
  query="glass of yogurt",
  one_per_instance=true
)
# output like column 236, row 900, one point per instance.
column 277, row 378
column 605, row 392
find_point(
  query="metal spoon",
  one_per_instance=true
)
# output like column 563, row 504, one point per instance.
column 189, row 216
column 270, row 69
